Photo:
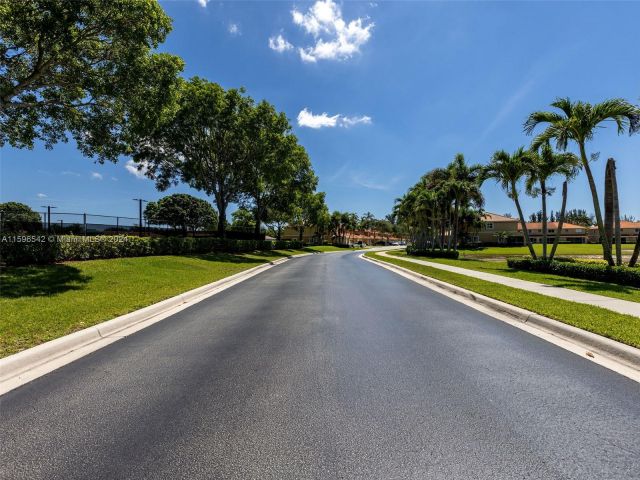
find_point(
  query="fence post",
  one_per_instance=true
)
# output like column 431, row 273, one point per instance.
column 84, row 218
column 117, row 225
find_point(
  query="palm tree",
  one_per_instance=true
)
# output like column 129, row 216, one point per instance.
column 545, row 163
column 508, row 170
column 464, row 184
column 577, row 122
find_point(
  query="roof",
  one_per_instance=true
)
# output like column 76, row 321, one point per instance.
column 552, row 226
column 494, row 217
column 625, row 224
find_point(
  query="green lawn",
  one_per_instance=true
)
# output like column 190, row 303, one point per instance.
column 40, row 303
column 501, row 268
column 624, row 328
column 566, row 249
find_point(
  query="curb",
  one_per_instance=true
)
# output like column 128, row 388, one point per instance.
column 624, row 354
column 18, row 364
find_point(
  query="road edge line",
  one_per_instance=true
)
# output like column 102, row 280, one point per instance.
column 34, row 362
column 616, row 356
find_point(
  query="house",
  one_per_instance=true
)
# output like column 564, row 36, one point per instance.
column 570, row 233
column 499, row 229
column 629, row 232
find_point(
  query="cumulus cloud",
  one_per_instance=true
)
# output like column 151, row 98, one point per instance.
column 335, row 38
column 234, row 29
column 135, row 169
column 203, row 3
column 41, row 195
column 279, row 44
column 306, row 118
column 96, row 176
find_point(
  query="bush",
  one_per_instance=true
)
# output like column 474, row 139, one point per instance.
column 432, row 253
column 17, row 249
column 578, row 269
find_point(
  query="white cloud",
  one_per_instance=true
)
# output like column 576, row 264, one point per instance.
column 96, row 176
column 132, row 168
column 234, row 29
column 366, row 182
column 203, row 3
column 335, row 39
column 279, row 44
column 308, row 119
column 70, row 173
column 41, row 195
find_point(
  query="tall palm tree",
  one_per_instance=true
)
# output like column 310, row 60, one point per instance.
column 577, row 122
column 508, row 170
column 544, row 164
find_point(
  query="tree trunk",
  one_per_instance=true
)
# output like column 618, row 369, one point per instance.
column 300, row 233
column 636, row 252
column 456, row 220
column 258, row 216
column 543, row 191
column 525, row 232
column 611, row 166
column 560, row 221
column 222, row 216
column 606, row 246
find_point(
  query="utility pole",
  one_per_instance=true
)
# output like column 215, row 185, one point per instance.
column 48, row 207
column 140, row 200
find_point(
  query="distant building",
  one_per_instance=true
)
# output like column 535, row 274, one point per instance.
column 629, row 232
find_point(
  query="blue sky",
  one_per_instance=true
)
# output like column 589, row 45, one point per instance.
column 404, row 86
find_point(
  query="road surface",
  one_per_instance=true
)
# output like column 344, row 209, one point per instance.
column 325, row 367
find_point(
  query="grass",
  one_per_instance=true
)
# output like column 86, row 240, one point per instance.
column 566, row 249
column 40, row 303
column 623, row 328
column 501, row 268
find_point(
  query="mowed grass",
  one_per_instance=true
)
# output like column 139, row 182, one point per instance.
column 623, row 328
column 622, row 292
column 566, row 249
column 40, row 303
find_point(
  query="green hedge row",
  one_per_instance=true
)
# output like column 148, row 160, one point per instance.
column 432, row 253
column 42, row 249
column 589, row 271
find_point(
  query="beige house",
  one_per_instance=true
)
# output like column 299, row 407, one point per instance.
column 309, row 236
column 499, row 229
column 570, row 233
column 629, row 232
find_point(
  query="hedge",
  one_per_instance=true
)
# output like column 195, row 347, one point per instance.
column 432, row 253
column 23, row 249
column 576, row 269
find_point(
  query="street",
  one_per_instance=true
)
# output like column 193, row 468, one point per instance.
column 325, row 367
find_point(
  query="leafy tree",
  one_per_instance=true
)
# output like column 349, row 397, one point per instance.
column 579, row 217
column 544, row 164
column 277, row 167
column 308, row 210
column 203, row 144
column 577, row 122
column 18, row 217
column 85, row 67
column 242, row 219
column 464, row 181
column 182, row 211
column 508, row 169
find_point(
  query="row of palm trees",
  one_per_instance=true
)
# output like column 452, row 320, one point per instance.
column 433, row 208
column 439, row 210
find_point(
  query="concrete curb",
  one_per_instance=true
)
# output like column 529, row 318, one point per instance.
column 624, row 354
column 18, row 364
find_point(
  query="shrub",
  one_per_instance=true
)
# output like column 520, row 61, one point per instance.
column 432, row 253
column 17, row 249
column 578, row 269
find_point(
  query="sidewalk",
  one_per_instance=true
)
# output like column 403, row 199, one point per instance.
column 617, row 305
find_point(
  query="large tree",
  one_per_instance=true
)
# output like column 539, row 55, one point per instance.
column 464, row 182
column 182, row 211
column 577, row 122
column 277, row 168
column 308, row 210
column 16, row 217
column 203, row 144
column 83, row 67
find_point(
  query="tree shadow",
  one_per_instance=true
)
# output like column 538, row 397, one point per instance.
column 40, row 280
column 254, row 258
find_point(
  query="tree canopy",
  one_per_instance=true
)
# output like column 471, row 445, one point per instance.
column 84, row 67
column 182, row 211
column 17, row 217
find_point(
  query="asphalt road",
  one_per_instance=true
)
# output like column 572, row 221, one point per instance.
column 325, row 367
